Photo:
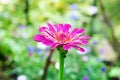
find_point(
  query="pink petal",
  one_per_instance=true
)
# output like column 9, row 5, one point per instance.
column 56, row 28
column 66, row 47
column 41, row 29
column 84, row 37
column 43, row 39
column 38, row 37
column 79, row 42
column 48, row 42
column 79, row 48
column 45, row 31
column 66, row 27
column 55, row 45
column 60, row 25
column 63, row 27
column 81, row 30
column 51, row 27
column 77, row 31
column 84, row 42
column 75, row 43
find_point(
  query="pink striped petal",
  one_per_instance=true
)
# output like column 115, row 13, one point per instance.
column 77, row 31
column 57, row 28
column 45, row 31
column 43, row 39
column 84, row 42
column 81, row 30
column 55, row 45
column 66, row 47
column 47, row 42
column 79, row 48
column 62, row 27
column 51, row 27
column 43, row 28
column 75, row 43
column 79, row 42
column 84, row 37
column 66, row 27
column 38, row 37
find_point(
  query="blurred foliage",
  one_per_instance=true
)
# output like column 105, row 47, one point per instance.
column 20, row 55
column 113, row 9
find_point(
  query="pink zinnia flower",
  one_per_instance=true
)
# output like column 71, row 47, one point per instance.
column 60, row 35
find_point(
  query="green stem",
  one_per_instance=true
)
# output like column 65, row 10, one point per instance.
column 61, row 67
column 62, row 55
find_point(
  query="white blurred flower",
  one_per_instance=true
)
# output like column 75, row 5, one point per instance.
column 22, row 77
column 41, row 46
column 91, row 10
column 40, row 72
column 85, row 58
column 57, row 65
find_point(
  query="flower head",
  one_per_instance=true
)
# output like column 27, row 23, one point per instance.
column 91, row 10
column 60, row 35
column 22, row 77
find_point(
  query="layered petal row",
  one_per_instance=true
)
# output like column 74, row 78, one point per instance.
column 60, row 35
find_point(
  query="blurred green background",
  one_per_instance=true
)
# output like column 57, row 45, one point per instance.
column 21, row 58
